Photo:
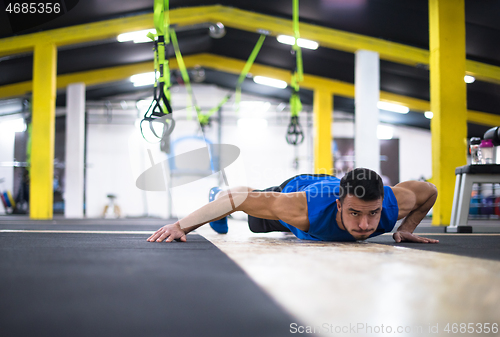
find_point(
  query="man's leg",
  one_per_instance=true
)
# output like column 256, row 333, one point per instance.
column 220, row 226
column 258, row 225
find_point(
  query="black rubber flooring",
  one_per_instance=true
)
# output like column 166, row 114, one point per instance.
column 121, row 285
column 480, row 246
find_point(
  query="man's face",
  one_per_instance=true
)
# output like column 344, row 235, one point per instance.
column 360, row 218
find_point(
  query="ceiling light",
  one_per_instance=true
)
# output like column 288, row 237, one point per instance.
column 469, row 79
column 393, row 107
column 270, row 82
column 138, row 36
column 143, row 79
column 384, row 132
column 428, row 114
column 303, row 43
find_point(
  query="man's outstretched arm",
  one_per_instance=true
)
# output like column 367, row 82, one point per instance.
column 415, row 199
column 289, row 207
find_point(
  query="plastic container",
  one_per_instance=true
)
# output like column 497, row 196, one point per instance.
column 475, row 205
column 488, row 205
column 497, row 206
column 487, row 151
column 475, row 151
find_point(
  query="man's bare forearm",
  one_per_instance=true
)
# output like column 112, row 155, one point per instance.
column 414, row 218
column 212, row 211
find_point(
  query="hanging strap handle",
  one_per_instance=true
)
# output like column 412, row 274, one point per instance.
column 160, row 110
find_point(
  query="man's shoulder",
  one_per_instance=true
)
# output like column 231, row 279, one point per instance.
column 311, row 182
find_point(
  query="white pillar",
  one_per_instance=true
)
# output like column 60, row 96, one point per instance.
column 75, row 138
column 367, row 93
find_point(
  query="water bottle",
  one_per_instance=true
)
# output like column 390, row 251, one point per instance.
column 487, row 151
column 475, row 151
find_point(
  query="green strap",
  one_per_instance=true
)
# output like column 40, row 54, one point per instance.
column 295, row 105
column 161, row 20
column 298, row 75
column 166, row 68
column 204, row 118
column 166, row 21
column 298, row 50
column 178, row 56
column 296, row 19
column 158, row 16
column 184, row 74
column 300, row 69
column 246, row 69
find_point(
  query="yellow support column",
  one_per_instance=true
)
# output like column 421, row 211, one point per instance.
column 43, row 131
column 448, row 100
column 323, row 107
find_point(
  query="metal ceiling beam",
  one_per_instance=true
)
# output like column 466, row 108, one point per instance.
column 92, row 77
column 234, row 66
column 339, row 40
column 244, row 20
column 76, row 34
column 313, row 82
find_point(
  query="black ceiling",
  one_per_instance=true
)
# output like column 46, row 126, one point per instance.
column 399, row 21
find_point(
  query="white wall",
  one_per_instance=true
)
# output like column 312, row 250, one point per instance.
column 267, row 157
column 114, row 161
column 117, row 154
column 7, row 137
column 415, row 153
column 415, row 156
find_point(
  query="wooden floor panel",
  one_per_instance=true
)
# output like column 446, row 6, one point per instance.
column 332, row 286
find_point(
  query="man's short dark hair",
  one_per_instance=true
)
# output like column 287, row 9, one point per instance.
column 363, row 183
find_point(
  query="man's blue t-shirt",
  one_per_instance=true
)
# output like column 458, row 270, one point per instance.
column 322, row 193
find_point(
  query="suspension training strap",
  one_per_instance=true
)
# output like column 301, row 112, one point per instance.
column 294, row 135
column 246, row 69
column 160, row 106
column 298, row 50
column 162, row 23
column 204, row 118
column 184, row 74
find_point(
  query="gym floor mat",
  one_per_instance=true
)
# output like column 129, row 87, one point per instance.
column 484, row 246
column 74, row 284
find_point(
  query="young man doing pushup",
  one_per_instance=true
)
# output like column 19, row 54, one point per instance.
column 317, row 207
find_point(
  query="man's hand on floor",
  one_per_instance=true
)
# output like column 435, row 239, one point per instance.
column 401, row 236
column 169, row 233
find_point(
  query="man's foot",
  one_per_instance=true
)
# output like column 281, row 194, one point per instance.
column 220, row 226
